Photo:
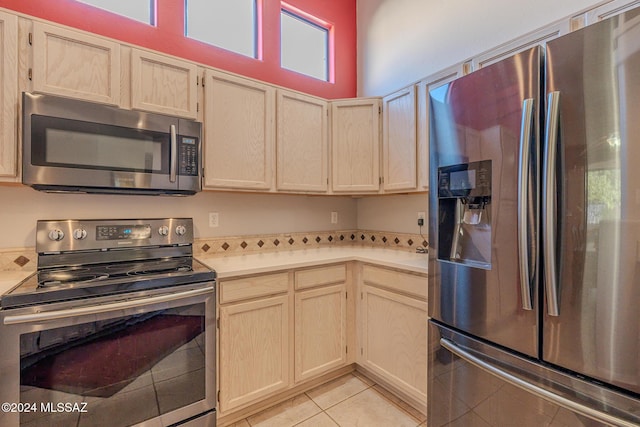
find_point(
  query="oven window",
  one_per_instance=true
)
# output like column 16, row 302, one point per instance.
column 125, row 370
column 74, row 143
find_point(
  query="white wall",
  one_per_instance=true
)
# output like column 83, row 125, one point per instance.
column 402, row 41
column 393, row 213
column 239, row 214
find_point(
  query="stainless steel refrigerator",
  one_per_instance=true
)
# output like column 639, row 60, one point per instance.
column 534, row 263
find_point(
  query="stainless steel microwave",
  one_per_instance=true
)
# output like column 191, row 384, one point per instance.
column 78, row 146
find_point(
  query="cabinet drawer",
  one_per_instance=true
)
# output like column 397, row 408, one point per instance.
column 253, row 287
column 395, row 280
column 320, row 276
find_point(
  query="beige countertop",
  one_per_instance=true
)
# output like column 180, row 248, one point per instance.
column 240, row 265
column 8, row 279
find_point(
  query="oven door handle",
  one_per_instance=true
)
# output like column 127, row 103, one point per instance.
column 103, row 308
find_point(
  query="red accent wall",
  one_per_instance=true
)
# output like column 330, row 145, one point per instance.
column 168, row 36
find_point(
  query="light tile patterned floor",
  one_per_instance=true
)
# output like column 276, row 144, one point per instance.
column 349, row 401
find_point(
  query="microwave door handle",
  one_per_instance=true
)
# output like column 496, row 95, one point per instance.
column 524, row 167
column 173, row 155
column 549, row 207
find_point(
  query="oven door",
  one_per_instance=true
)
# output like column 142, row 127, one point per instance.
column 148, row 360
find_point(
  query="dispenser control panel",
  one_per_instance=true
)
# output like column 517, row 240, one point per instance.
column 465, row 180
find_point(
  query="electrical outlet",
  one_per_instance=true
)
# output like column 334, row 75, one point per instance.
column 213, row 219
column 421, row 218
column 334, row 217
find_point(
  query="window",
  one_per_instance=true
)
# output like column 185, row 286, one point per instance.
column 229, row 24
column 304, row 44
column 140, row 10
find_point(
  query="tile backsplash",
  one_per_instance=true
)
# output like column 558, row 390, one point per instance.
column 26, row 259
column 234, row 245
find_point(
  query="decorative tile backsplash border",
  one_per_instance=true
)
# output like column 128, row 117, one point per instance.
column 234, row 245
column 26, row 259
column 18, row 260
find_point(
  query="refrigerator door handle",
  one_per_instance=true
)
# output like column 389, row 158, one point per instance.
column 549, row 203
column 524, row 165
column 533, row 388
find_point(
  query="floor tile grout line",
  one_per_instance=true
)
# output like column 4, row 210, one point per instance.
column 367, row 387
column 396, row 405
column 291, row 399
column 314, row 415
column 332, row 419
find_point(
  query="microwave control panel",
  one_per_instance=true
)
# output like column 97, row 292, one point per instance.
column 188, row 156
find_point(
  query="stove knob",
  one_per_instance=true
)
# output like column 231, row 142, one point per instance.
column 56, row 235
column 79, row 233
column 163, row 231
column 181, row 230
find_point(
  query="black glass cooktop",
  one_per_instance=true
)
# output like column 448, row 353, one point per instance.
column 66, row 283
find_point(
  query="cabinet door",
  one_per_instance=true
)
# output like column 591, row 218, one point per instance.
column 394, row 340
column 399, row 141
column 537, row 38
column 302, row 143
column 8, row 94
column 320, row 330
column 610, row 9
column 239, row 132
column 75, row 64
column 355, row 129
column 423, row 88
column 163, row 85
column 254, row 350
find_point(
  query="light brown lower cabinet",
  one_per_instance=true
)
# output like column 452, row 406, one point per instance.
column 320, row 330
column 254, row 350
column 281, row 332
column 261, row 317
column 393, row 331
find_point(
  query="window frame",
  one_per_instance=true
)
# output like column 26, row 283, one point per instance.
column 257, row 28
column 153, row 12
column 314, row 21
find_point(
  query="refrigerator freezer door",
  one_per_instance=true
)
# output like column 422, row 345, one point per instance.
column 472, row 383
column 596, row 330
column 478, row 120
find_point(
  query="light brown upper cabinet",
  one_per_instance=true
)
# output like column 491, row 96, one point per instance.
column 239, row 132
column 302, row 143
column 8, row 95
column 399, row 143
column 75, row 64
column 355, row 130
column 538, row 37
column 163, row 85
column 423, row 87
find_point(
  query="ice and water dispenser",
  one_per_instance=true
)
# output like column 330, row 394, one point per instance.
column 464, row 213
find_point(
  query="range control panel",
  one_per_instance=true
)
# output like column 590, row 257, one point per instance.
column 75, row 235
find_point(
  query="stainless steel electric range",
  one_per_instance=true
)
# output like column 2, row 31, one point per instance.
column 118, row 324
